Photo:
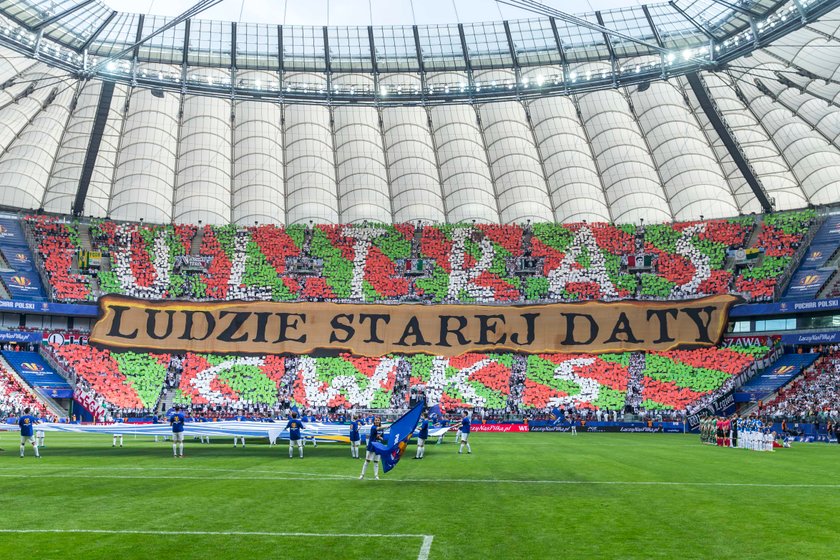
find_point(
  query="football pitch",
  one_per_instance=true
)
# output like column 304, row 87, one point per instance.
column 539, row 495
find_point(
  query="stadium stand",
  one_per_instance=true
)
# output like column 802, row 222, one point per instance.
column 437, row 263
column 778, row 239
column 812, row 396
column 58, row 245
column 16, row 395
column 776, row 376
column 124, row 382
column 816, row 269
column 129, row 383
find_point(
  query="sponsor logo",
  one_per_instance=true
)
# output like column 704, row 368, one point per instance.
column 21, row 281
column 783, row 370
column 504, row 428
column 809, row 280
column 20, row 257
column 29, row 366
column 811, row 338
column 56, row 338
column 746, row 341
column 3, row 229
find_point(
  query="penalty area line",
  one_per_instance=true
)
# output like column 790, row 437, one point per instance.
column 425, row 548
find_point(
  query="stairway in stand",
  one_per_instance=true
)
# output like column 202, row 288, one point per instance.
column 195, row 248
column 84, row 237
column 166, row 400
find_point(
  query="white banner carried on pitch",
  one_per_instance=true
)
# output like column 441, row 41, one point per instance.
column 272, row 430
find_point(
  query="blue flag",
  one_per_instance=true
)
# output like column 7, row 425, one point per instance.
column 435, row 413
column 556, row 415
column 397, row 437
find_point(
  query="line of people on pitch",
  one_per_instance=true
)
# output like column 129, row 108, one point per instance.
column 742, row 433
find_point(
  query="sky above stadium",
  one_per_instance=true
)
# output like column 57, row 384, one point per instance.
column 359, row 12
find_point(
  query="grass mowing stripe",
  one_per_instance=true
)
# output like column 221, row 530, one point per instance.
column 522, row 496
column 335, row 478
column 425, row 547
column 220, row 533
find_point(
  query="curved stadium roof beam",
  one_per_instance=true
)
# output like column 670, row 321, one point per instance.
column 639, row 44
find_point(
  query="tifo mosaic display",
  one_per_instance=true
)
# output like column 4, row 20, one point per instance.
column 436, row 263
column 662, row 380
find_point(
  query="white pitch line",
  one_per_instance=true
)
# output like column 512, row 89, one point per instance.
column 220, row 533
column 425, row 548
column 321, row 476
column 177, row 477
column 75, row 476
column 615, row 482
column 203, row 469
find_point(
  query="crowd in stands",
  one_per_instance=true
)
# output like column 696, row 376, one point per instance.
column 779, row 238
column 15, row 397
column 18, row 347
column 57, row 244
column 432, row 263
column 123, row 383
column 814, row 396
column 662, row 385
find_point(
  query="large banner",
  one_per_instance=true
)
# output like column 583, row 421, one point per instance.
column 34, row 370
column 807, row 283
column 817, row 255
column 830, row 230
column 11, row 232
column 89, row 402
column 722, row 406
column 23, row 285
column 18, row 258
column 376, row 329
column 775, row 377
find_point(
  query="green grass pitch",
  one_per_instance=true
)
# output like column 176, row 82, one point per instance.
column 517, row 496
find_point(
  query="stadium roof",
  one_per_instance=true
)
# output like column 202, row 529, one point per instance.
column 635, row 44
column 355, row 12
column 758, row 124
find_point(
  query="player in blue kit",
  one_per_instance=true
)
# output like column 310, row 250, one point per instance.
column 465, row 433
column 294, row 426
column 423, row 435
column 354, row 438
column 177, row 422
column 371, row 455
column 27, row 432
